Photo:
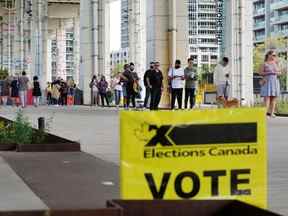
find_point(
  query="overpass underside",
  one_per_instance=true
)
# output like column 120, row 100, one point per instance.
column 70, row 38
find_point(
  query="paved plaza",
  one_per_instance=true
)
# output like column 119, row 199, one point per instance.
column 98, row 131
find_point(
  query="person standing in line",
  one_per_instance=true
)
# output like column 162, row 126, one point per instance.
column 128, row 82
column 55, row 92
column 136, row 86
column 94, row 91
column 23, row 88
column 147, row 85
column 177, row 79
column 221, row 79
column 190, row 84
column 5, row 91
column 49, row 93
column 15, row 91
column 156, row 84
column 270, row 85
column 103, row 86
column 117, row 87
column 36, row 92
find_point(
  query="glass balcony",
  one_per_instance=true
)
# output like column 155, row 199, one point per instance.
column 276, row 5
column 259, row 39
column 280, row 33
column 259, row 12
column 280, row 19
column 259, row 25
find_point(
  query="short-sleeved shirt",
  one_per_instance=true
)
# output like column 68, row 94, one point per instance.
column 128, row 83
column 147, row 75
column 156, row 79
column 191, row 77
column 177, row 82
column 23, row 83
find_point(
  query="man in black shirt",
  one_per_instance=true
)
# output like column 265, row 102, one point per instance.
column 156, row 82
column 128, row 82
column 147, row 84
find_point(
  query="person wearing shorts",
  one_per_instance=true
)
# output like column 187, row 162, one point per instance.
column 221, row 79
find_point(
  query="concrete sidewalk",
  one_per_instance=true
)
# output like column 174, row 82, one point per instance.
column 61, row 180
column 14, row 193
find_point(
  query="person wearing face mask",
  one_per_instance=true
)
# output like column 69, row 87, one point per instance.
column 177, row 80
column 190, row 84
column 147, row 85
column 136, row 85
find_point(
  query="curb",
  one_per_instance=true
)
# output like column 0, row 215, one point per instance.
column 281, row 115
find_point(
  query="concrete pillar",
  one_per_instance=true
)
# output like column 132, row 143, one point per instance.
column 49, row 61
column 137, row 35
column 89, row 46
column 61, row 49
column 39, row 35
column 103, row 39
column 86, row 49
column 167, row 38
column 238, row 47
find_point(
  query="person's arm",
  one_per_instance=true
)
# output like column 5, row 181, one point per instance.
column 278, row 70
column 261, row 71
column 123, row 77
column 170, row 74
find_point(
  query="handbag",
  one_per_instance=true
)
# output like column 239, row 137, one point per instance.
column 262, row 81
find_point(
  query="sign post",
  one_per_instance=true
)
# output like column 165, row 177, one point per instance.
column 204, row 154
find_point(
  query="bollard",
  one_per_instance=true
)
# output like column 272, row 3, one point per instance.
column 41, row 123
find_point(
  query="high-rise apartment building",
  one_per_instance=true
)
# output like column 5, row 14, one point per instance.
column 203, row 44
column 270, row 19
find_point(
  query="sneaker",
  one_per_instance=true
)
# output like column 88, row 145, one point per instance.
column 273, row 115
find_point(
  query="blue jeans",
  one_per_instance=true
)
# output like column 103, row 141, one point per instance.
column 117, row 97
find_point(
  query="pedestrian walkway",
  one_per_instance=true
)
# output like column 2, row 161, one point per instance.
column 98, row 131
column 14, row 193
column 60, row 180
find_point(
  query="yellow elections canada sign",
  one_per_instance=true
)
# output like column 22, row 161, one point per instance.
column 203, row 154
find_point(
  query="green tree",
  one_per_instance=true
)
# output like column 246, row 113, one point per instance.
column 280, row 45
column 118, row 68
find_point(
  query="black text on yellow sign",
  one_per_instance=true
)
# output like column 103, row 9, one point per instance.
column 194, row 155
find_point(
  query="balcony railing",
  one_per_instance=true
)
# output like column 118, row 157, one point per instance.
column 258, row 12
column 259, row 25
column 279, row 4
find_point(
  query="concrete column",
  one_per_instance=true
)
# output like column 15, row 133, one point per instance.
column 137, row 35
column 49, row 62
column 162, row 34
column 86, row 49
column 39, row 35
column 238, row 47
column 61, row 49
column 89, row 45
column 103, row 39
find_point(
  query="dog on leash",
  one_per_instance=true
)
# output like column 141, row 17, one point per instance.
column 233, row 103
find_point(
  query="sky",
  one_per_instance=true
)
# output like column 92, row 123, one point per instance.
column 115, row 25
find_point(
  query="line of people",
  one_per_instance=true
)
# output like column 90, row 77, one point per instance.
column 179, row 79
column 16, row 89
column 60, row 92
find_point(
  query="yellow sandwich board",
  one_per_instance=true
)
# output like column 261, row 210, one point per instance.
column 201, row 154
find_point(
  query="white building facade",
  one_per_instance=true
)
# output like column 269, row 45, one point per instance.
column 203, row 45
